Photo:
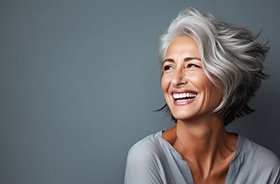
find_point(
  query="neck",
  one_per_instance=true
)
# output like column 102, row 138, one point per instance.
column 203, row 142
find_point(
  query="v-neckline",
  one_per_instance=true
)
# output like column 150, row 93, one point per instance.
column 231, row 169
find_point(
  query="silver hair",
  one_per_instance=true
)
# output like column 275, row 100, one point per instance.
column 230, row 54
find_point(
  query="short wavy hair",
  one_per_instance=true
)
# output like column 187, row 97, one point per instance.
column 231, row 54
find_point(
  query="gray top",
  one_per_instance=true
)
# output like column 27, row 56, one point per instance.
column 153, row 160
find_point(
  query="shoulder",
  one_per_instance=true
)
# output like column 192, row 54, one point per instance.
column 143, row 164
column 255, row 163
column 260, row 162
column 260, row 154
column 146, row 148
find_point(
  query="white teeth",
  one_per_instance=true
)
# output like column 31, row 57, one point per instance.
column 183, row 95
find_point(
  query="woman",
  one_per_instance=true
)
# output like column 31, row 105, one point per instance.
column 210, row 71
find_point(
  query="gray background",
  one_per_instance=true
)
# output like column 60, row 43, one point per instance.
column 80, row 80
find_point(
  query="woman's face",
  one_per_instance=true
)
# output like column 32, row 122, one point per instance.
column 186, row 88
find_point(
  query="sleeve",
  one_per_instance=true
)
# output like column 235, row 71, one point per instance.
column 142, row 167
column 275, row 175
column 270, row 164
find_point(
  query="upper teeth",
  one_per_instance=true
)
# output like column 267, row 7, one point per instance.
column 183, row 95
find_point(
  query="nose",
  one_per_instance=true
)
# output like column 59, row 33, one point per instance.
column 179, row 77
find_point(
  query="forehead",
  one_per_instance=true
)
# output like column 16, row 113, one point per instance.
column 182, row 45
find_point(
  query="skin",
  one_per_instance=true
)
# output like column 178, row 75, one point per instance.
column 199, row 135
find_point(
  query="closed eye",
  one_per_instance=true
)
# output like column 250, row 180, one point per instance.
column 192, row 65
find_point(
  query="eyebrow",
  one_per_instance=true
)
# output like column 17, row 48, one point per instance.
column 185, row 59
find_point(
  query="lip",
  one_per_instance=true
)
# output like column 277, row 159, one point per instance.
column 183, row 101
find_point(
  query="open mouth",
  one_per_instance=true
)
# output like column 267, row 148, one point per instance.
column 184, row 98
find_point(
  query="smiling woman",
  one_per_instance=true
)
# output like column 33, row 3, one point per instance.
column 210, row 71
column 187, row 90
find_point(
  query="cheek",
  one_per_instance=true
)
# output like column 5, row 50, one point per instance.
column 215, row 95
column 197, row 81
column 212, row 93
column 164, row 83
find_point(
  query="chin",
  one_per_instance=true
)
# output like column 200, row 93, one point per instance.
column 182, row 116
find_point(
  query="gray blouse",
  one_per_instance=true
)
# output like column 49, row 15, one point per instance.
column 153, row 160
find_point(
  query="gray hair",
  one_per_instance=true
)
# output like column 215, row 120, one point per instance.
column 230, row 54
